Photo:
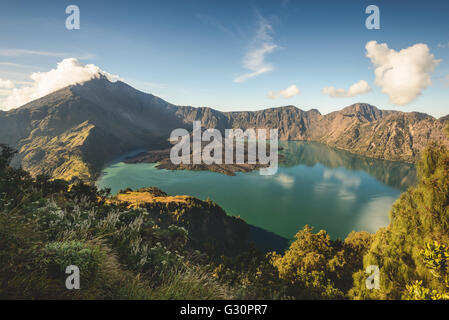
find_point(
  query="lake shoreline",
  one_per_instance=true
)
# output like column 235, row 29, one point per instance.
column 316, row 185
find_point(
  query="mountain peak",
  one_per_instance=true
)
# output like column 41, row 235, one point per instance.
column 361, row 107
column 314, row 111
column 363, row 111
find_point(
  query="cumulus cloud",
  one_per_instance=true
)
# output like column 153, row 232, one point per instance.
column 402, row 75
column 289, row 92
column 68, row 72
column 6, row 84
column 357, row 88
column 254, row 60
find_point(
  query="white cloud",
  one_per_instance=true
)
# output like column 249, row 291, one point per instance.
column 357, row 88
column 255, row 58
column 68, row 72
column 14, row 66
column 289, row 92
column 443, row 45
column 272, row 95
column 4, row 93
column 6, row 84
column 11, row 64
column 402, row 75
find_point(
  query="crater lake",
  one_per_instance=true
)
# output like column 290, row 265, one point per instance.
column 315, row 184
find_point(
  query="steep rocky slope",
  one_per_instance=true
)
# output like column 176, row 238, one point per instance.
column 73, row 132
column 385, row 135
column 359, row 128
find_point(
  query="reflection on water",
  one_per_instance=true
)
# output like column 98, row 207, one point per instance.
column 398, row 175
column 316, row 185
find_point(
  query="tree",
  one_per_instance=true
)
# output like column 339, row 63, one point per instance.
column 6, row 156
column 309, row 252
column 316, row 255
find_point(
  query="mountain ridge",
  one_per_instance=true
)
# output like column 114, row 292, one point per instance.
column 73, row 132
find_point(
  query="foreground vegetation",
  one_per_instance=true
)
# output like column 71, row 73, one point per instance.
column 145, row 244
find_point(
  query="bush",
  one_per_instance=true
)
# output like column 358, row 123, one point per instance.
column 57, row 256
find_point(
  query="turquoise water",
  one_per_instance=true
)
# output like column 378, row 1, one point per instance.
column 316, row 185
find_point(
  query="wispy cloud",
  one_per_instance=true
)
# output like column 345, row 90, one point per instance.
column 443, row 45
column 11, row 64
column 262, row 45
column 24, row 52
column 357, row 88
column 17, row 65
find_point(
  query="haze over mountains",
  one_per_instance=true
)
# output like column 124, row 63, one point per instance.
column 72, row 133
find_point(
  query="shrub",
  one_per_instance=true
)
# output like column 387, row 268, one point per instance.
column 57, row 256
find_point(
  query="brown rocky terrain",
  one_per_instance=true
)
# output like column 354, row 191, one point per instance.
column 359, row 128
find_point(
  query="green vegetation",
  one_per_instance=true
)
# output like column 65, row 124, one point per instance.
column 315, row 255
column 419, row 217
column 145, row 244
column 122, row 252
column 435, row 257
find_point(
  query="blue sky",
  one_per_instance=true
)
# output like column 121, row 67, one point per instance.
column 194, row 52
